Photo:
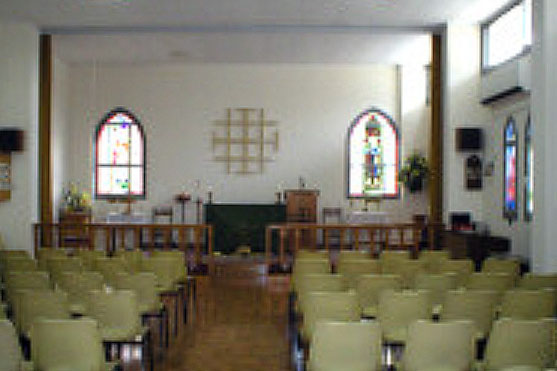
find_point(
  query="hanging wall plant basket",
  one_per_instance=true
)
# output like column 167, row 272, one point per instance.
column 414, row 173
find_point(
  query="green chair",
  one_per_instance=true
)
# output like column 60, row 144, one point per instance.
column 345, row 346
column 73, row 345
column 430, row 346
column 520, row 345
column 119, row 320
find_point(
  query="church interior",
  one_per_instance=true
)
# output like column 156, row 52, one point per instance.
column 325, row 185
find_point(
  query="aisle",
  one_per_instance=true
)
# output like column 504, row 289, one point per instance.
column 240, row 323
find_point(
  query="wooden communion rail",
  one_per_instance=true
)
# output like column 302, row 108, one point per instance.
column 112, row 236
column 295, row 236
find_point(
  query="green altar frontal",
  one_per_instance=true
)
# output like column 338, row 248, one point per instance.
column 237, row 225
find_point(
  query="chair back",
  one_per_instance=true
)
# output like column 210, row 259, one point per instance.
column 436, row 284
column 6, row 254
column 66, row 345
column 117, row 313
column 110, row 267
column 369, row 288
column 18, row 264
column 307, row 266
column 329, row 306
column 348, row 255
column 499, row 282
column 528, row 304
column 520, row 343
column 178, row 262
column 439, row 346
column 463, row 268
column 33, row 280
column 57, row 265
column 45, row 253
column 407, row 269
column 398, row 309
column 474, row 305
column 433, row 259
column 78, row 286
column 165, row 268
column 133, row 259
column 35, row 304
column 353, row 268
column 144, row 284
column 538, row 281
column 345, row 346
column 311, row 254
column 318, row 282
column 10, row 353
column 88, row 257
column 508, row 266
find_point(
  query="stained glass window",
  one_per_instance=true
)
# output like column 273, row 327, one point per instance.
column 510, row 170
column 528, row 172
column 373, row 159
column 120, row 156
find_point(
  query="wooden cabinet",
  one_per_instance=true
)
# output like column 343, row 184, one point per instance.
column 301, row 205
column 72, row 234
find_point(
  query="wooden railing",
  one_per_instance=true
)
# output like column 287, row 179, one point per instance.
column 294, row 236
column 112, row 236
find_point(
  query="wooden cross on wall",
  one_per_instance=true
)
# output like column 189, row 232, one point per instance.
column 246, row 140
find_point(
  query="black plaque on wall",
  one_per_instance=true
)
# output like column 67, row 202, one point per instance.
column 473, row 173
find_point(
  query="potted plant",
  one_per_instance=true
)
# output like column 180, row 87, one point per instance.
column 414, row 172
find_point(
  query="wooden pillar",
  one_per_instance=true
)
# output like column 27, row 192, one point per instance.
column 45, row 160
column 436, row 142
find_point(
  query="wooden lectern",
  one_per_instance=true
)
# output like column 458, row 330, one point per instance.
column 301, row 207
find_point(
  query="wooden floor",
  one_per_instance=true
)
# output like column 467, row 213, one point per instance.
column 240, row 322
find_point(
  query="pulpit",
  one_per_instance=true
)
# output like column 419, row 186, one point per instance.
column 301, row 207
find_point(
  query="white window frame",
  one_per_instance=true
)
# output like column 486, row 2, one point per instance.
column 527, row 33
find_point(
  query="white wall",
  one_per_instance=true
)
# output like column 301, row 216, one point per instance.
column 462, row 109
column 178, row 104
column 59, row 134
column 544, row 111
column 19, row 107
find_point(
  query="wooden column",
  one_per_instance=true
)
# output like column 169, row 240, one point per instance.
column 45, row 104
column 436, row 142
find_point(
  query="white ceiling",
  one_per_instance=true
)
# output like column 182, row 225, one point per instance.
column 202, row 31
column 68, row 14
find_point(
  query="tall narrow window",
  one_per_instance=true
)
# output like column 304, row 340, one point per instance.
column 373, row 159
column 120, row 156
column 510, row 170
column 528, row 171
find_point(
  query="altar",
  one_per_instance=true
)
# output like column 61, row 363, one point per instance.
column 367, row 217
column 242, row 224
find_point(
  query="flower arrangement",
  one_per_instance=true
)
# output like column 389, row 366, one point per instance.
column 75, row 199
column 414, row 172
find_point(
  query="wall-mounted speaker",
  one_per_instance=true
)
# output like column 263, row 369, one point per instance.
column 11, row 139
column 469, row 139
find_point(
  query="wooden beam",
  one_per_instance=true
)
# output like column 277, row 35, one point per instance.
column 436, row 142
column 45, row 103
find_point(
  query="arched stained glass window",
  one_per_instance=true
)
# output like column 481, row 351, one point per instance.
column 120, row 156
column 510, row 170
column 373, row 156
column 528, row 171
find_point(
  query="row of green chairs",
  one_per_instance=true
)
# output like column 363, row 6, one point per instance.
column 514, row 344
column 476, row 303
